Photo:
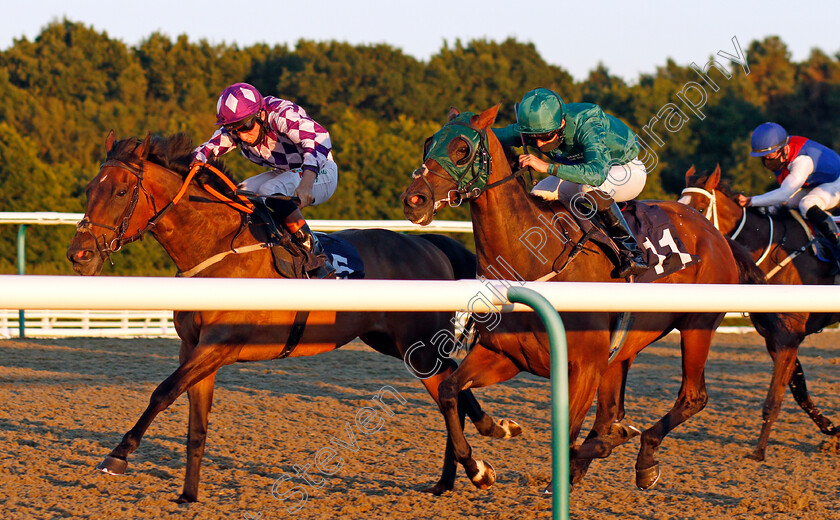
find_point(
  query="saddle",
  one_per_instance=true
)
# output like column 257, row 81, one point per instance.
column 656, row 235
column 293, row 261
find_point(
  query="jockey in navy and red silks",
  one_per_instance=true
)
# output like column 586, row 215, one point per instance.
column 808, row 174
column 277, row 134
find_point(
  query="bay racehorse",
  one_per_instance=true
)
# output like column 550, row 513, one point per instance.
column 138, row 189
column 503, row 212
column 780, row 246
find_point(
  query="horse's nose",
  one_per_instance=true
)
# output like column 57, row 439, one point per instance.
column 414, row 201
column 81, row 256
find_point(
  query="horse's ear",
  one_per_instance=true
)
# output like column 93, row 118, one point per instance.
column 691, row 171
column 453, row 113
column 486, row 118
column 110, row 140
column 714, row 179
column 143, row 150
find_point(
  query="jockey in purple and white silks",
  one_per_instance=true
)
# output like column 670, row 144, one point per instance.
column 808, row 174
column 277, row 134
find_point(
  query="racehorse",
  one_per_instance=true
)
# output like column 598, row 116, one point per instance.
column 136, row 190
column 779, row 244
column 503, row 216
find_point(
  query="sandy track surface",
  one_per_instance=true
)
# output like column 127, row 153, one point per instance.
column 67, row 403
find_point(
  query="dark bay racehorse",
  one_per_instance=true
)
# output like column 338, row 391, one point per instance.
column 502, row 210
column 133, row 192
column 779, row 245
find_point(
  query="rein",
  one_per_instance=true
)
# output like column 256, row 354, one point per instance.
column 460, row 193
column 712, row 215
column 119, row 240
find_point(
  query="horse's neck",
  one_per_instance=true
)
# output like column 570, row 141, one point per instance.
column 507, row 225
column 197, row 227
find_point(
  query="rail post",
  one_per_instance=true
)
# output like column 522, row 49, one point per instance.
column 21, row 266
column 559, row 396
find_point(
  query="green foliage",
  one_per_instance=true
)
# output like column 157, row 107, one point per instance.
column 61, row 93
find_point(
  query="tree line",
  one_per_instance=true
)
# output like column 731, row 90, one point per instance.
column 61, row 93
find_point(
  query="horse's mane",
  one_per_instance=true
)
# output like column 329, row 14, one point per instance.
column 173, row 152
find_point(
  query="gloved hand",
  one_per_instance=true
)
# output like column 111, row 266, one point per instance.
column 304, row 189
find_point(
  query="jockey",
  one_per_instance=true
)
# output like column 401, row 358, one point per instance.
column 585, row 146
column 278, row 134
column 808, row 174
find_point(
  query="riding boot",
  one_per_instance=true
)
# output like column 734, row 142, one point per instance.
column 309, row 241
column 631, row 259
column 824, row 225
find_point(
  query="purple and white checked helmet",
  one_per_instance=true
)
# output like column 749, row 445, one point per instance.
column 238, row 102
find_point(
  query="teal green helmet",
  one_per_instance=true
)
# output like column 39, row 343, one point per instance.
column 539, row 112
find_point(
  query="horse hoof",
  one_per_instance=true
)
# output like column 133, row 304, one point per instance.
column 549, row 490
column 437, row 490
column 757, row 455
column 512, row 428
column 631, row 431
column 112, row 465
column 184, row 499
column 647, row 478
column 485, row 476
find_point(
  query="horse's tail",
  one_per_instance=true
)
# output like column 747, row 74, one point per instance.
column 749, row 273
column 464, row 262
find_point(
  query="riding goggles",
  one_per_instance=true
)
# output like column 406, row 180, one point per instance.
column 242, row 126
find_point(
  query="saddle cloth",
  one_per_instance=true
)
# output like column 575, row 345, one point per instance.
column 344, row 256
column 658, row 239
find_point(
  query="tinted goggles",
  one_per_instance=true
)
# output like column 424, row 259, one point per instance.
column 242, row 126
column 531, row 139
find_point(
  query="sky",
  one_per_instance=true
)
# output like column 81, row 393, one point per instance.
column 629, row 37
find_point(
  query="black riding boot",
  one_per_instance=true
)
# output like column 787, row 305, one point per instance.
column 824, row 225
column 309, row 241
column 632, row 260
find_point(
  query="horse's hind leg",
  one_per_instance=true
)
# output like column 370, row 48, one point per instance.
column 784, row 361
column 799, row 389
column 484, row 423
column 201, row 399
column 696, row 340
column 607, row 433
column 202, row 362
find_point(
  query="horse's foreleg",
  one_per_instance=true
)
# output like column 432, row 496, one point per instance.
column 201, row 400
column 201, row 363
column 784, row 362
column 799, row 389
column 450, row 465
column 480, row 368
column 696, row 340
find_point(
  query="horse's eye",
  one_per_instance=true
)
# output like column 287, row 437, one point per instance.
column 459, row 151
column 121, row 193
column 464, row 154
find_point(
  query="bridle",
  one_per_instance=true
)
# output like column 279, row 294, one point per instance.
column 119, row 240
column 711, row 214
column 480, row 166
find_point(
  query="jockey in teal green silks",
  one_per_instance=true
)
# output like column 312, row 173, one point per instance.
column 586, row 146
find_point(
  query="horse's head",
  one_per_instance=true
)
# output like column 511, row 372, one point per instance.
column 706, row 193
column 456, row 166
column 118, row 207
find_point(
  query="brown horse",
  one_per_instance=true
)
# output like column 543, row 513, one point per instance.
column 779, row 245
column 133, row 192
column 502, row 213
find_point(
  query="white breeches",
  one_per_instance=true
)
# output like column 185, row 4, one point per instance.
column 624, row 182
column 275, row 182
